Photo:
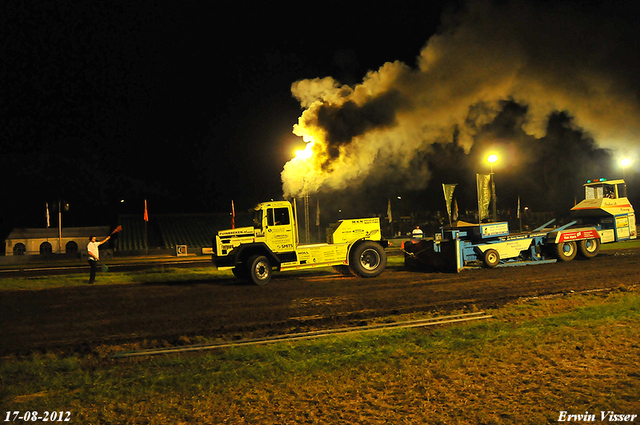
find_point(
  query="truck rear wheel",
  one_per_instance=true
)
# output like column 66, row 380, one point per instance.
column 566, row 251
column 259, row 269
column 368, row 259
column 589, row 248
column 491, row 258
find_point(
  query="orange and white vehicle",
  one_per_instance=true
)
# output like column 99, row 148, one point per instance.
column 607, row 208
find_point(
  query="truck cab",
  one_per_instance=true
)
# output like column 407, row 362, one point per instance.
column 274, row 226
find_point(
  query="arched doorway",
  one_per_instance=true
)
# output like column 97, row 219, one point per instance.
column 19, row 249
column 71, row 247
column 45, row 248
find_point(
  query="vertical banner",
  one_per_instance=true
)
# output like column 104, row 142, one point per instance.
column 48, row 219
column 318, row 213
column 455, row 214
column 484, row 195
column 448, row 190
column 146, row 213
column 389, row 211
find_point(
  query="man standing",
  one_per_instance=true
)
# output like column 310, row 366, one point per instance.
column 417, row 233
column 94, row 255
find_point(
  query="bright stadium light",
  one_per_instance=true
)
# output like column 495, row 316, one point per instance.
column 625, row 162
column 493, row 158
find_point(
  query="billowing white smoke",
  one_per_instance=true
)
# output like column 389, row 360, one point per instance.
column 552, row 59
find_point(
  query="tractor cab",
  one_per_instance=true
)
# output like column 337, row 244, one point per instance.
column 607, row 207
column 603, row 188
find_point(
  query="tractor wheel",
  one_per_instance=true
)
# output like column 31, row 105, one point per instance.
column 491, row 258
column 589, row 248
column 368, row 259
column 259, row 269
column 566, row 251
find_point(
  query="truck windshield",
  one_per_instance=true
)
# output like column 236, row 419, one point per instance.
column 598, row 192
column 257, row 219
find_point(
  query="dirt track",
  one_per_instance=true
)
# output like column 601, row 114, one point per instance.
column 82, row 318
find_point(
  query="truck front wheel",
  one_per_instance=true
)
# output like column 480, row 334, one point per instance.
column 566, row 251
column 259, row 269
column 589, row 248
column 368, row 259
column 240, row 271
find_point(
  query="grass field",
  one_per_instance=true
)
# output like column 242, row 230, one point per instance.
column 531, row 362
column 156, row 274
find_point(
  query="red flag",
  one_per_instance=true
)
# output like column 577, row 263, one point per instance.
column 233, row 215
column 146, row 214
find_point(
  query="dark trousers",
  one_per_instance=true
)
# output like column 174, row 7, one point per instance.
column 94, row 269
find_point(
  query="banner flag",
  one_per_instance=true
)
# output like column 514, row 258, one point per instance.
column 48, row 221
column 518, row 214
column 448, row 190
column 389, row 211
column 455, row 215
column 146, row 213
column 233, row 215
column 318, row 213
column 484, row 195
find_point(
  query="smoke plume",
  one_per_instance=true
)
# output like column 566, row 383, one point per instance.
column 551, row 59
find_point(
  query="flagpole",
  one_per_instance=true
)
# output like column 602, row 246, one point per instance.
column 479, row 198
column 233, row 215
column 318, row 217
column 59, row 227
column 390, row 217
column 519, row 215
column 48, row 220
column 146, row 231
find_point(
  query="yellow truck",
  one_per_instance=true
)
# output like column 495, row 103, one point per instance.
column 253, row 253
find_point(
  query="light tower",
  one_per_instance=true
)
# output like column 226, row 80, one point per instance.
column 494, row 212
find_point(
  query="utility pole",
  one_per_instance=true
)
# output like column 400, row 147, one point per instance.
column 59, row 228
column 494, row 214
column 61, row 204
column 306, row 217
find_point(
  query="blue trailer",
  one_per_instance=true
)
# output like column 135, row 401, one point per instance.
column 604, row 216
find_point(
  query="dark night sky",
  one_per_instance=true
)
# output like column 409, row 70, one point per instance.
column 186, row 104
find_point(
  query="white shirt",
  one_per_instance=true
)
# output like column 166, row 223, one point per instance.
column 93, row 248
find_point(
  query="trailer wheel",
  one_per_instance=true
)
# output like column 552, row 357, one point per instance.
column 491, row 258
column 566, row 251
column 259, row 269
column 368, row 259
column 589, row 248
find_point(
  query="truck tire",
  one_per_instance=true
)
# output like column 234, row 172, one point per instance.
column 343, row 270
column 368, row 259
column 240, row 271
column 565, row 251
column 491, row 258
column 589, row 248
column 259, row 269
